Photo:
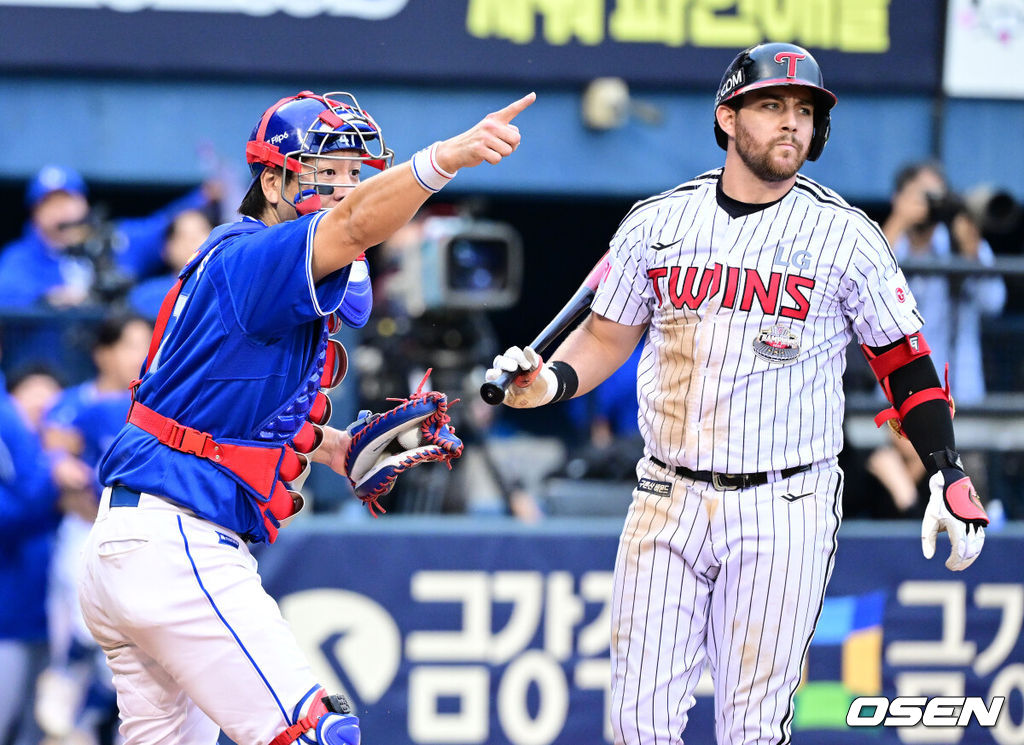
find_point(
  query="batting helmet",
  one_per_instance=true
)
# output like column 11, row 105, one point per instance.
column 300, row 128
column 766, row 65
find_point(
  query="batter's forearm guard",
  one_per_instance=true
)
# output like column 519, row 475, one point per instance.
column 884, row 362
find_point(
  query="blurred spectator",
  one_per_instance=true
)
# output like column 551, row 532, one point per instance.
column 900, row 471
column 74, row 692
column 607, row 418
column 184, row 236
column 28, row 518
column 69, row 252
column 501, row 469
column 34, row 389
column 896, row 483
column 929, row 223
column 923, row 226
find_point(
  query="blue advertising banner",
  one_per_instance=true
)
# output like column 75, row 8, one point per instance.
column 466, row 634
column 860, row 43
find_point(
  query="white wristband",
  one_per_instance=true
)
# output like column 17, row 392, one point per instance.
column 552, row 384
column 426, row 170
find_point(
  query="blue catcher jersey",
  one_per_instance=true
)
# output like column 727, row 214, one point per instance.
column 239, row 359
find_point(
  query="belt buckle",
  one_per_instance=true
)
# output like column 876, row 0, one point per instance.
column 716, row 481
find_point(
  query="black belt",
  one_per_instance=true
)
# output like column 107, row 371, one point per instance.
column 730, row 481
column 122, row 496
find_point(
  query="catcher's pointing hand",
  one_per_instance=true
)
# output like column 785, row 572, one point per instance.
column 534, row 385
column 493, row 138
column 953, row 508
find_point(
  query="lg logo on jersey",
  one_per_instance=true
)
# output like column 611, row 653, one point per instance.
column 798, row 259
column 909, row 711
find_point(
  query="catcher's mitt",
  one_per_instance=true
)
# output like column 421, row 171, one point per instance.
column 416, row 431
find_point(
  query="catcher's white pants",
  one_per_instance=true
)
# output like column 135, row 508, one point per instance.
column 733, row 578
column 194, row 642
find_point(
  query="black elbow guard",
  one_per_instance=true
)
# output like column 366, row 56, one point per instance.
column 905, row 378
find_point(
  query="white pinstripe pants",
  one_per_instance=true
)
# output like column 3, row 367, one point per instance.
column 733, row 578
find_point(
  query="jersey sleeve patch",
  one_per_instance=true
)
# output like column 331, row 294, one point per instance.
column 900, row 290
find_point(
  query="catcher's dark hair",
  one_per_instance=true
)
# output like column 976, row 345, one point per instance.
column 253, row 203
column 911, row 171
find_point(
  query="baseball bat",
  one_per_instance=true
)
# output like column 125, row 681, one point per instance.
column 493, row 391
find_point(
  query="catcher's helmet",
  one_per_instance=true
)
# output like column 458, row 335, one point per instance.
column 299, row 128
column 766, row 65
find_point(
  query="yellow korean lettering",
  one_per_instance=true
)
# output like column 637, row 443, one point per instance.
column 568, row 20
column 514, row 20
column 816, row 23
column 661, row 21
column 864, row 25
column 710, row 28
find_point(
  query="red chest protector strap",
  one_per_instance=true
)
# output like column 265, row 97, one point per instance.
column 162, row 317
column 255, row 466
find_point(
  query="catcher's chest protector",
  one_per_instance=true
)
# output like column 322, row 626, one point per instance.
column 271, row 472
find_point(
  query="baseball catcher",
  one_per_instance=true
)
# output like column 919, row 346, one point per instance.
column 230, row 411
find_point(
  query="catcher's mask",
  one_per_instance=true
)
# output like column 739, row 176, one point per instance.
column 767, row 65
column 300, row 131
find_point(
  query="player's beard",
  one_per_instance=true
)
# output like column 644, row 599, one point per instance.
column 758, row 158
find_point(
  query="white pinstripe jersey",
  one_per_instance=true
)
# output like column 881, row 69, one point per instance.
column 729, row 300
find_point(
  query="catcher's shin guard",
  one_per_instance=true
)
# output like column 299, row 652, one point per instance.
column 323, row 719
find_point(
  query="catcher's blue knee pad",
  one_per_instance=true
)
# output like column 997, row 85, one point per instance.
column 337, row 729
column 321, row 720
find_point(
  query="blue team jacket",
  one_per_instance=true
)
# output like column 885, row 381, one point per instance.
column 28, row 519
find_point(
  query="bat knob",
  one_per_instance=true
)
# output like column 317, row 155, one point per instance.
column 493, row 391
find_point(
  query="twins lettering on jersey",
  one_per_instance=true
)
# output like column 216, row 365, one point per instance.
column 748, row 317
column 740, row 288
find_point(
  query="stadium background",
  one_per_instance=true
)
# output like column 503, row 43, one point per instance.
column 481, row 630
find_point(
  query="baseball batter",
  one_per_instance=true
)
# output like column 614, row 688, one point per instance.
column 750, row 281
column 229, row 413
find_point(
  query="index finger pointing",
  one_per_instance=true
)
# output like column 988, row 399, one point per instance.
column 510, row 112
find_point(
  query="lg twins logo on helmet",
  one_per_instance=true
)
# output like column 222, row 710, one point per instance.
column 730, row 83
column 789, row 59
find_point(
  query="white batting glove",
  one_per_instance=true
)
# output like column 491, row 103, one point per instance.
column 534, row 384
column 953, row 508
